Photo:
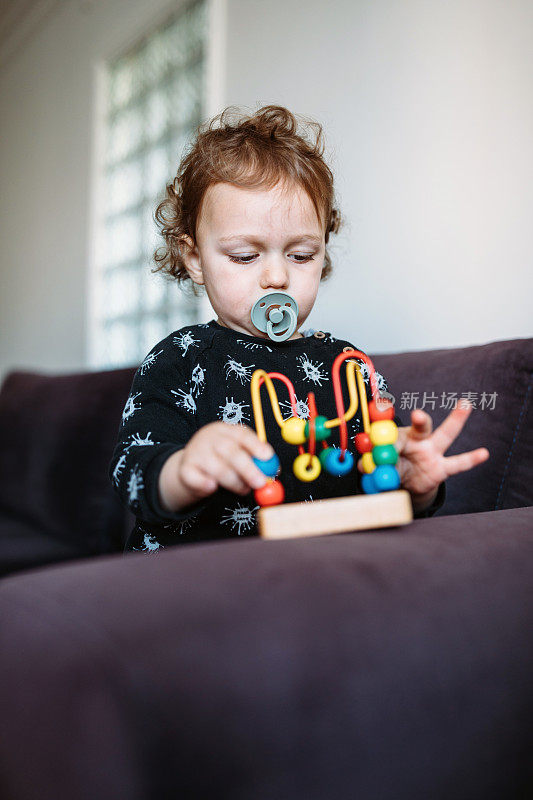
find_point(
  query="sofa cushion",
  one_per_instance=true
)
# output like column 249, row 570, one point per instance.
column 58, row 434
column 388, row 665
column 498, row 376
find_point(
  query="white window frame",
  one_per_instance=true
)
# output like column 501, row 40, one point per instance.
column 214, row 101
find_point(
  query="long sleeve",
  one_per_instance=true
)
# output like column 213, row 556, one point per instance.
column 158, row 419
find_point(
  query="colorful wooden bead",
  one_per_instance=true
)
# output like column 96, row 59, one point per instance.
column 367, row 484
column 386, row 478
column 385, row 454
column 300, row 467
column 293, row 430
column 271, row 494
column 321, row 432
column 334, row 464
column 362, row 443
column 383, row 432
column 380, row 410
column 270, row 467
column 323, row 454
column 368, row 462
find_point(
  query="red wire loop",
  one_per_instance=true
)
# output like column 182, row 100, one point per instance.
column 312, row 427
column 339, row 403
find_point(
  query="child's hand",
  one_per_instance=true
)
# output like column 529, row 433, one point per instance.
column 422, row 464
column 218, row 454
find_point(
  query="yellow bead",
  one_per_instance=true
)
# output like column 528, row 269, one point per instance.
column 299, row 467
column 293, row 431
column 368, row 462
column 383, row 432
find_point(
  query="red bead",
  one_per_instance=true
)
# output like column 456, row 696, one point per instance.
column 381, row 410
column 362, row 443
column 271, row 494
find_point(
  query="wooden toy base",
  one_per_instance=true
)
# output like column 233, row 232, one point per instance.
column 335, row 515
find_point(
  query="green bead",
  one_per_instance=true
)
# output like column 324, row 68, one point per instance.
column 324, row 454
column 384, row 454
column 321, row 432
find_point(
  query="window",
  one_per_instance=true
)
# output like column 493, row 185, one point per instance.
column 152, row 100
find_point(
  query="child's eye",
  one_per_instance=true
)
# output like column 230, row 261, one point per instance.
column 301, row 258
column 241, row 259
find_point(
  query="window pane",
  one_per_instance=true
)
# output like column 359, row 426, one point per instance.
column 125, row 134
column 157, row 173
column 122, row 291
column 153, row 104
column 153, row 329
column 153, row 289
column 185, row 99
column 122, row 343
column 124, row 186
column 157, row 114
column 124, row 239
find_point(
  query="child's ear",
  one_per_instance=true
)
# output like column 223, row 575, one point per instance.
column 191, row 258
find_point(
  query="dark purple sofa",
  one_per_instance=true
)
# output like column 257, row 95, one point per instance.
column 382, row 665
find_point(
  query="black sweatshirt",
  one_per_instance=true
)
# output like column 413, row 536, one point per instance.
column 200, row 374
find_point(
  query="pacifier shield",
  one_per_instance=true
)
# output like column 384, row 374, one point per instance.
column 276, row 314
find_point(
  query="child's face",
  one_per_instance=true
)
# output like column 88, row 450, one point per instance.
column 251, row 241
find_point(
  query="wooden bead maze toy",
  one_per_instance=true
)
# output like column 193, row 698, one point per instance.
column 383, row 503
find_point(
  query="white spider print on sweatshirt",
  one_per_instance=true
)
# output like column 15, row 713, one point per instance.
column 185, row 400
column 150, row 359
column 241, row 372
column 311, row 369
column 240, row 517
column 233, row 413
column 136, row 440
column 119, row 468
column 131, row 407
column 150, row 544
column 180, row 527
column 185, row 340
column 135, row 484
column 302, row 409
column 365, row 373
column 198, row 379
column 253, row 345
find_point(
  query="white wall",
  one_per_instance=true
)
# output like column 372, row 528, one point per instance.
column 427, row 109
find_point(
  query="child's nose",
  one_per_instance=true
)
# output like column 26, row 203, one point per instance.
column 275, row 274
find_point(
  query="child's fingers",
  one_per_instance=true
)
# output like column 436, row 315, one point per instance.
column 197, row 481
column 451, row 427
column 421, row 424
column 465, row 461
column 239, row 460
column 216, row 467
column 248, row 439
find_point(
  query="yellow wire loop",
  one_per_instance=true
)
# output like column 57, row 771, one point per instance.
column 351, row 367
column 256, row 403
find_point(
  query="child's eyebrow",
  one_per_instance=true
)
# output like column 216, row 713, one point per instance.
column 304, row 237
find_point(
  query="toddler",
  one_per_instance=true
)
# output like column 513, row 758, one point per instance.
column 249, row 213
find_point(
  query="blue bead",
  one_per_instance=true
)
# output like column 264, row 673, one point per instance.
column 270, row 467
column 386, row 478
column 333, row 463
column 367, row 483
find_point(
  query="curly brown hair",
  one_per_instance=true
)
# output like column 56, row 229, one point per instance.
column 255, row 150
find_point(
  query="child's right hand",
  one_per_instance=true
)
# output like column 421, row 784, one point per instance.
column 218, row 454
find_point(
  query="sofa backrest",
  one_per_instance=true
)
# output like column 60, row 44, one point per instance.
column 58, row 434
column 498, row 377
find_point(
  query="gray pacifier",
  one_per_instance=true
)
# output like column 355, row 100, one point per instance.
column 276, row 314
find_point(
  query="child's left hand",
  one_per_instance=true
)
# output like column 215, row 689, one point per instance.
column 421, row 464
